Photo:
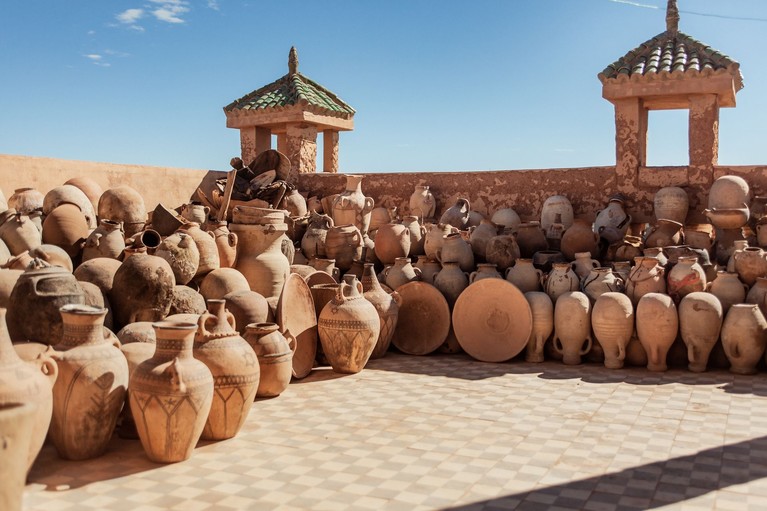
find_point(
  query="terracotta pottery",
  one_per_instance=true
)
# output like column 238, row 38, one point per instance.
column 525, row 275
column 664, row 233
column 26, row 200
column 260, row 259
column 600, row 281
column 182, row 254
column 738, row 246
column 67, row 228
column 734, row 218
column 392, row 241
column 542, row 310
column 451, row 282
column 90, row 390
column 89, row 187
column 647, row 276
column 506, row 218
column 479, row 237
column 744, row 337
column 561, row 279
column 386, row 304
column 435, row 237
column 557, row 209
column 348, row 327
column 429, row 269
column 344, row 244
column 545, row 259
column 422, row 203
column 274, row 354
column 171, row 395
column 186, row 301
column 16, row 420
column 19, row 262
column 456, row 250
column 222, row 281
column 484, row 271
column 378, row 217
column 685, row 278
column 206, row 245
column 327, row 266
column 18, row 232
column 8, row 279
column 579, row 238
column 400, row 273
column 572, row 326
column 314, row 239
column 492, row 320
column 761, row 232
column 700, row 320
column 583, row 264
column 142, row 289
column 750, row 264
column 424, row 319
column 612, row 320
column 227, row 244
column 352, row 207
column 531, row 239
column 636, row 356
column 614, row 216
column 123, row 204
column 105, row 241
column 69, row 194
column 297, row 319
column 195, row 212
column 100, row 271
column 657, row 324
column 140, row 331
column 417, row 235
column 671, row 203
column 700, row 236
column 457, row 215
column 622, row 269
column 626, row 249
column 502, row 250
column 287, row 248
column 322, row 294
column 95, row 297
column 656, row 253
column 248, row 307
column 728, row 192
column 5, row 253
column 730, row 290
column 295, row 203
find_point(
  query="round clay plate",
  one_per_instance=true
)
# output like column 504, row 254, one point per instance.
column 319, row 277
column 424, row 319
column 295, row 314
column 492, row 320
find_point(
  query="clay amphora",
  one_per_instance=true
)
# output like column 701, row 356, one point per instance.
column 531, row 239
column 248, row 307
column 525, row 276
column 26, row 200
column 182, row 254
column 349, row 327
column 401, row 273
column 105, row 241
column 479, row 237
column 142, row 290
column 27, row 382
column 227, row 244
column 206, row 245
column 506, row 218
column 171, row 395
column 671, row 203
column 313, row 241
column 16, row 420
column 600, row 281
column 197, row 213
column 68, row 194
column 328, row 266
column 502, row 250
column 730, row 290
column 234, row 367
column 457, row 215
column 435, row 234
column 221, row 282
column 579, row 238
column 613, row 216
column 484, row 271
column 622, row 269
column 451, row 281
column 612, row 320
column 344, row 244
column 738, row 246
column 275, row 357
column 67, row 228
column 429, row 269
column 744, row 337
column 378, row 217
column 750, row 264
column 392, row 241
column 657, row 324
column 572, row 326
column 386, row 304
column 664, row 233
column 685, row 278
column 422, row 203
column 543, row 324
column 728, row 192
column 557, row 209
column 700, row 320
column 90, row 390
column 417, row 235
column 352, row 207
column 657, row 253
column 123, row 204
column 18, row 232
column 583, row 264
column 561, row 279
column 456, row 250
column 260, row 259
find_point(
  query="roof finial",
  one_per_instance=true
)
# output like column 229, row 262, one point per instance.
column 293, row 61
column 672, row 17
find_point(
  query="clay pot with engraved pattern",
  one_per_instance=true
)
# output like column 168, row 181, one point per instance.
column 386, row 304
column 275, row 357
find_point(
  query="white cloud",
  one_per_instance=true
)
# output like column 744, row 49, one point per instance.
column 170, row 11
column 97, row 59
column 93, row 56
column 130, row 16
column 213, row 4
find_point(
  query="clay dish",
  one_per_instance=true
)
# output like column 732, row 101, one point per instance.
column 424, row 319
column 296, row 316
column 320, row 277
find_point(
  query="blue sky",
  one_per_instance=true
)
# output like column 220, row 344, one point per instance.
column 438, row 85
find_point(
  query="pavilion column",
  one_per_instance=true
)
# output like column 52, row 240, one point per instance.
column 263, row 140
column 630, row 142
column 282, row 143
column 330, row 151
column 703, row 138
column 248, row 144
column 301, row 148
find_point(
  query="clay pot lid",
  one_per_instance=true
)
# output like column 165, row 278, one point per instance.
column 492, row 320
column 424, row 319
column 296, row 315
column 320, row 277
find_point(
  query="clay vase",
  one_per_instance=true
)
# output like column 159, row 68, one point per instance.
column 351, row 207
column 221, row 282
column 656, row 253
column 275, row 357
column 435, row 236
column 525, row 275
column 105, row 241
column 647, row 276
column 657, row 324
column 614, row 216
column 197, row 213
column 295, row 204
column 557, row 209
column 600, row 281
column 26, row 200
column 206, row 246
column 700, row 236
column 18, row 232
column 260, row 259
column 313, row 241
column 348, row 328
column 68, row 194
column 665, row 233
column 560, row 280
column 502, row 250
column 67, row 228
column 429, row 270
column 531, row 239
column 728, row 192
column 484, row 271
column 457, row 215
column 142, row 290
column 626, row 249
column 686, row 277
column 386, row 304
column 738, row 246
column 401, row 273
column 344, row 244
column 750, row 264
column 171, row 395
column 123, row 204
column 622, row 269
column 422, row 203
column 227, row 244
column 378, row 217
column 451, row 281
column 90, row 390
column 612, row 320
column 744, row 337
column 730, row 290
column 456, row 250
column 700, row 320
column 671, row 203
column 572, row 327
column 234, row 367
column 8, row 279
column 182, row 254
column 186, row 301
column 506, row 218
column 16, row 420
column 543, row 324
column 89, row 187
column 417, row 235
column 27, row 382
column 328, row 266
column 479, row 237
column 248, row 307
column 391, row 242
column 583, row 264
column 579, row 238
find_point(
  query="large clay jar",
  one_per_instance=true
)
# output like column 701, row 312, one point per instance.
column 457, row 250
column 525, row 276
column 142, row 290
column 195, row 212
column 18, row 232
column 429, row 269
column 33, row 309
column 90, row 390
column 392, row 241
column 750, row 264
column 479, row 237
column 227, row 244
column 744, row 337
column 123, row 204
column 502, row 250
column 171, row 395
column 313, row 241
column 380, row 216
column 600, row 281
column 105, row 241
column 422, row 203
column 700, row 320
column 612, row 320
column 435, row 237
column 99, row 271
column 647, row 276
column 557, row 209
column 387, row 306
column 579, row 238
column 248, row 307
column 89, row 187
column 352, row 207
column 344, row 244
column 260, row 259
column 583, row 264
column 666, row 233
column 730, row 290
column 221, row 282
column 401, row 273
column 531, row 239
column 69, row 194
column 349, row 327
column 758, row 294
column 572, row 327
column 728, row 192
column 457, row 215
column 182, row 254
column 27, row 382
column 738, row 246
column 686, row 277
column 614, row 216
column 26, row 200
column 543, row 324
column 657, row 324
column 560, row 280
column 484, row 271
column 67, row 228
column 671, row 203
column 417, row 235
column 206, row 245
column 506, row 218
column 16, row 420
column 451, row 281
column 234, row 367
column 275, row 357
column 186, row 301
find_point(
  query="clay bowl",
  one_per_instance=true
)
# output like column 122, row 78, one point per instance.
column 296, row 316
column 424, row 319
column 728, row 218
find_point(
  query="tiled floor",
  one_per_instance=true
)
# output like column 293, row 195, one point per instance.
column 446, row 432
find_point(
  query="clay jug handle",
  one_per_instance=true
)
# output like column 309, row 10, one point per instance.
column 397, row 298
column 360, row 290
column 206, row 209
column 423, row 230
column 231, row 320
column 472, row 276
column 621, row 352
column 48, row 365
column 418, row 273
column 357, row 237
column 594, row 263
column 175, row 375
column 201, row 322
column 557, row 345
column 369, row 203
column 506, row 273
column 340, row 298
column 464, row 204
column 438, row 255
column 292, row 342
column 589, row 344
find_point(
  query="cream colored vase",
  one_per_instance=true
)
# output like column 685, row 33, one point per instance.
column 525, row 276
column 686, row 277
column 613, row 323
column 729, row 289
column 700, row 321
column 744, row 337
column 647, row 276
column 657, row 324
column 542, row 309
column 561, row 279
column 352, row 207
column 260, row 259
column 572, row 326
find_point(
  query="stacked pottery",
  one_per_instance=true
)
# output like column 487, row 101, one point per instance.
column 671, row 203
column 313, row 241
column 206, row 246
column 479, row 237
column 123, row 204
column 457, row 215
column 728, row 203
column 417, row 235
column 665, row 233
column 422, row 203
column 700, row 320
column 344, row 244
column 435, row 234
column 234, row 367
column 451, row 281
column 502, row 250
column 506, row 218
column 227, row 244
column 531, row 239
column 657, row 324
column 686, row 277
column 543, row 324
column 90, row 390
column 560, row 280
column 744, row 337
column 142, row 289
column 275, row 357
column 18, row 232
column 259, row 255
column 728, row 288
column 400, row 273
column 386, row 304
column 613, row 322
column 579, row 238
column 584, row 264
column 182, row 254
column 392, row 241
column 572, row 327
column 525, row 276
column 351, row 207
column 105, row 241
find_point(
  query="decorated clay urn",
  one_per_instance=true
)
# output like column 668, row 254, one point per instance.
column 457, row 215
column 744, row 337
column 392, row 241
column 572, row 326
column 542, row 310
column 123, row 204
column 729, row 289
column 386, row 304
column 647, row 276
column 260, row 258
column 700, row 321
column 600, row 281
column 686, row 277
column 422, row 203
column 614, row 216
column 671, row 203
column 560, row 280
column 142, row 289
column 226, row 242
column 181, row 252
column 657, row 324
column 612, row 320
column 525, row 275
column 557, row 209
column 352, row 207
column 275, row 357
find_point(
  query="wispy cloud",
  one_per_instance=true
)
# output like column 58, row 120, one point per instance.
column 213, row 4
column 635, row 4
column 130, row 17
column 170, row 11
column 97, row 59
